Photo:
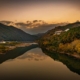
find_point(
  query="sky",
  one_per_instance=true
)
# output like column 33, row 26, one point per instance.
column 49, row 11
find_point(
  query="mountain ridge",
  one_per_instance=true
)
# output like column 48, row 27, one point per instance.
column 65, row 41
column 10, row 33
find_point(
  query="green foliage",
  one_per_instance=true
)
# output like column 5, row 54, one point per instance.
column 66, row 42
column 71, row 35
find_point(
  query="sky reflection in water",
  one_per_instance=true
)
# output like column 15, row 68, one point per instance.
column 35, row 65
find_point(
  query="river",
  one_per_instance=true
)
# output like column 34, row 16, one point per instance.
column 34, row 64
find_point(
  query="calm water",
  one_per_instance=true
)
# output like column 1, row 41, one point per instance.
column 35, row 65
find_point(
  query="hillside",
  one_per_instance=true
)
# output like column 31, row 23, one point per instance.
column 58, row 28
column 66, row 40
column 10, row 33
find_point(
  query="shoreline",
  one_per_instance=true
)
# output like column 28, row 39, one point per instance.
column 8, row 47
column 74, row 55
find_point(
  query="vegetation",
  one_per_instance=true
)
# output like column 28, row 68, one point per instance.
column 67, row 42
column 11, row 54
column 10, row 33
column 71, row 35
column 4, row 47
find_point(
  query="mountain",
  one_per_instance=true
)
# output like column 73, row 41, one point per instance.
column 39, row 35
column 64, row 39
column 10, row 33
column 58, row 28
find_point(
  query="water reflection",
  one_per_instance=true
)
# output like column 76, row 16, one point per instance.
column 12, row 54
column 33, row 64
column 72, row 63
column 33, row 55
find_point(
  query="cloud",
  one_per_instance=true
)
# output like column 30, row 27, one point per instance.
column 36, row 26
column 33, row 27
column 7, row 22
column 33, row 56
column 30, row 24
column 44, row 28
column 28, row 21
column 34, row 21
column 21, row 24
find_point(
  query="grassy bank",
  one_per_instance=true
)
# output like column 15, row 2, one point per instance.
column 4, row 47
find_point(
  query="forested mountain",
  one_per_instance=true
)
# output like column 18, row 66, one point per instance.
column 10, row 33
column 58, row 28
column 65, row 39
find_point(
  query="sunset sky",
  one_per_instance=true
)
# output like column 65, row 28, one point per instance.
column 50, row 11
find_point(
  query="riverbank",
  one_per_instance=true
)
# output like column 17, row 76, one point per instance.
column 64, row 43
column 70, row 49
column 12, row 45
column 52, row 51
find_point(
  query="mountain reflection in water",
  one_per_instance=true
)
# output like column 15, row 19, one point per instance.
column 72, row 63
column 15, row 53
column 31, row 63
